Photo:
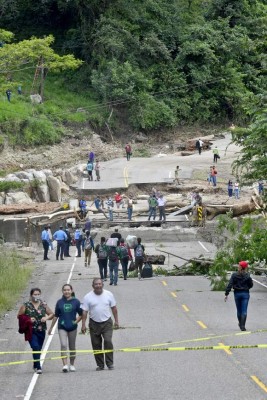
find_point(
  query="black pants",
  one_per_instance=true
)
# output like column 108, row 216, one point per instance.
column 124, row 264
column 99, row 332
column 46, row 248
column 67, row 249
column 60, row 249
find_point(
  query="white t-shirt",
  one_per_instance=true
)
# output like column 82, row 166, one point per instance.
column 98, row 305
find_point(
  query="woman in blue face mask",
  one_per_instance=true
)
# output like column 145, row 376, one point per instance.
column 32, row 316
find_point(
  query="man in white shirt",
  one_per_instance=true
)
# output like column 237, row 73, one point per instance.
column 100, row 304
column 161, row 205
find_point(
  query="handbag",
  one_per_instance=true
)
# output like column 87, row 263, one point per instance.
column 131, row 266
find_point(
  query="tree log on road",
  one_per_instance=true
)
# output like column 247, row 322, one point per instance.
column 237, row 209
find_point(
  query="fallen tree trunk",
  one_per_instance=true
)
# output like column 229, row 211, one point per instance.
column 236, row 209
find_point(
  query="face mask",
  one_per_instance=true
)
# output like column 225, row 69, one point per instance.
column 36, row 298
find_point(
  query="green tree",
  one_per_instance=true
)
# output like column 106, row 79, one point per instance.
column 251, row 165
column 33, row 52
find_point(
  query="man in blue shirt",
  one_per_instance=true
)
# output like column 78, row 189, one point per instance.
column 99, row 205
column 60, row 236
column 45, row 241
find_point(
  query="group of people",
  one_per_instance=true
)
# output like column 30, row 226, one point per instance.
column 156, row 201
column 119, row 200
column 93, row 166
column 69, row 311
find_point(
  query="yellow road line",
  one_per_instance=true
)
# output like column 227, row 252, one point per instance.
column 164, row 283
column 259, row 383
column 173, row 294
column 200, row 323
column 185, row 307
column 226, row 350
column 125, row 175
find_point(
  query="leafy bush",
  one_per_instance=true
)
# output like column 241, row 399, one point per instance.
column 247, row 241
column 5, row 186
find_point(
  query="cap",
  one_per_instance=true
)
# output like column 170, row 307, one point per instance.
column 243, row 264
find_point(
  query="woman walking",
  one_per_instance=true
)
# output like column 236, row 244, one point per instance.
column 241, row 282
column 69, row 314
column 38, row 313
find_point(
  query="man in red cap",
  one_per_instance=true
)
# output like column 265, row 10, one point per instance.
column 241, row 282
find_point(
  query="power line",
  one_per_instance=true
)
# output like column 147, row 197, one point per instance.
column 121, row 101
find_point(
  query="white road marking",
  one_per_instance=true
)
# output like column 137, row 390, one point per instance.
column 170, row 174
column 205, row 248
column 186, row 217
column 47, row 344
column 262, row 284
column 83, row 182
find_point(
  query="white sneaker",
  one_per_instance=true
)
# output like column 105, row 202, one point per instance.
column 65, row 368
column 72, row 368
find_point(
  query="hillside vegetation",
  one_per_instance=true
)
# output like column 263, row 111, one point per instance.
column 158, row 63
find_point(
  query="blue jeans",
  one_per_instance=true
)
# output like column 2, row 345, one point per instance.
column 130, row 213
column 214, row 180
column 241, row 301
column 36, row 344
column 152, row 212
column 110, row 214
column 113, row 272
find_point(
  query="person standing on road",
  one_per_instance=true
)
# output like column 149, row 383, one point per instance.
column 91, row 157
column 199, row 145
column 230, row 188
column 215, row 154
column 100, row 304
column 101, row 251
column 50, row 238
column 214, row 176
column 97, row 170
column 69, row 313
column 39, row 313
column 125, row 256
column 118, row 199
column 113, row 263
column 139, row 254
column 176, row 175
column 60, row 236
column 110, row 205
column 236, row 190
column 128, row 150
column 241, row 282
column 152, row 202
column 129, row 204
column 78, row 237
column 161, row 204
column 90, row 168
column 45, row 242
column 88, row 246
column 67, row 243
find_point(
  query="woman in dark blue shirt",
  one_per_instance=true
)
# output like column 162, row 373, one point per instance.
column 68, row 313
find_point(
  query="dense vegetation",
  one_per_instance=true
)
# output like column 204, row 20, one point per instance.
column 160, row 63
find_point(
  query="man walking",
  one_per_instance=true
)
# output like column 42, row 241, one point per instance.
column 113, row 263
column 139, row 254
column 100, row 304
column 78, row 237
column 60, row 236
column 102, row 258
column 128, row 150
column 88, row 246
column 8, row 95
column 199, row 145
column 45, row 241
column 215, row 154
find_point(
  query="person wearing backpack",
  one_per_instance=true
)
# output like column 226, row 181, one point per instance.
column 89, row 168
column 139, row 254
column 78, row 241
column 101, row 251
column 125, row 256
column 128, row 150
column 88, row 246
column 113, row 263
